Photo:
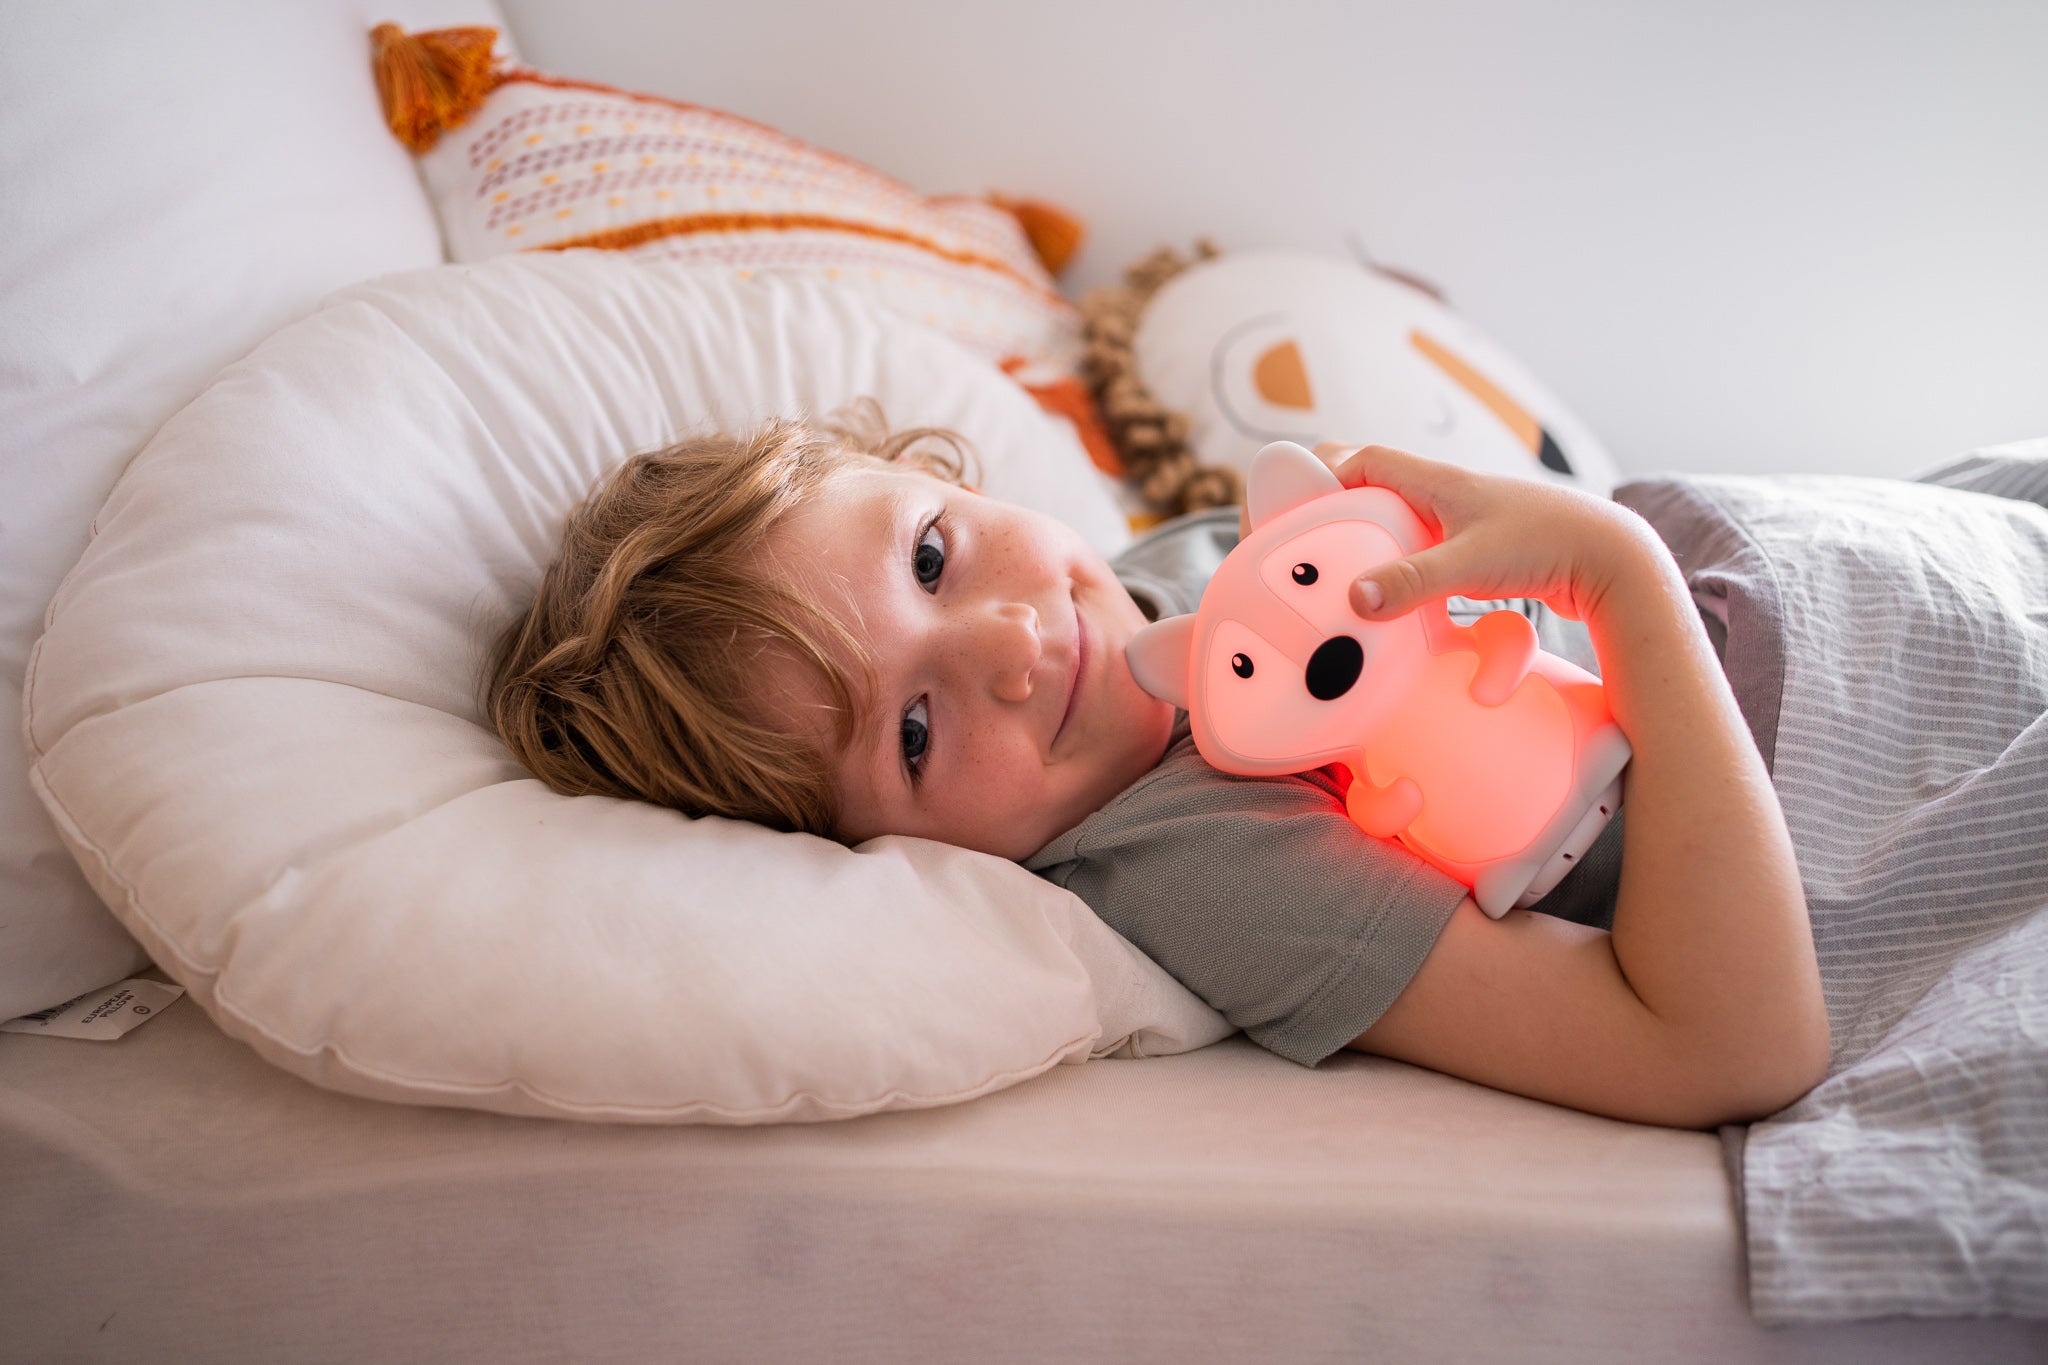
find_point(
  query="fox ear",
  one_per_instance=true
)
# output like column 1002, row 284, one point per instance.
column 1160, row 658
column 1284, row 476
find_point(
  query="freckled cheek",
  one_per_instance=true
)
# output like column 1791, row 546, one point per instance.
column 996, row 754
column 996, row 774
column 1023, row 553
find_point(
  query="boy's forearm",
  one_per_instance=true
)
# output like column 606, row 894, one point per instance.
column 1710, row 925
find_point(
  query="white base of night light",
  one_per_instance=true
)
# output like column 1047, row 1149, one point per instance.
column 1571, row 850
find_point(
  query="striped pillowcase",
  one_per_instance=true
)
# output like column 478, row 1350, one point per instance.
column 548, row 164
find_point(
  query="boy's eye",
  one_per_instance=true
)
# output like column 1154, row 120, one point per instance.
column 917, row 736
column 928, row 560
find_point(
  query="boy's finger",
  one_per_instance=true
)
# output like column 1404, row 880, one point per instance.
column 1401, row 585
column 1406, row 473
column 1421, row 482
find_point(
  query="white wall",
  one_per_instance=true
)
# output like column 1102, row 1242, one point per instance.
column 1739, row 236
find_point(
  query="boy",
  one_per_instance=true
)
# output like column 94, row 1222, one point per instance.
column 827, row 631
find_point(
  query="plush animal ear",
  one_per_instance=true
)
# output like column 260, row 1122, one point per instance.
column 1284, row 476
column 1161, row 658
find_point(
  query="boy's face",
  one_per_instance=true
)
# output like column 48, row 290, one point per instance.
column 1004, row 711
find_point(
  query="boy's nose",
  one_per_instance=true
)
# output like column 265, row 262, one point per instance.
column 1010, row 648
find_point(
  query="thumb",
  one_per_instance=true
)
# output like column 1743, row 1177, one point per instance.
column 1401, row 585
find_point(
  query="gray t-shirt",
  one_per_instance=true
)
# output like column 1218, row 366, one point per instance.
column 1259, row 894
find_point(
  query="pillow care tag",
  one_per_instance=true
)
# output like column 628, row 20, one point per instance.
column 105, row 1013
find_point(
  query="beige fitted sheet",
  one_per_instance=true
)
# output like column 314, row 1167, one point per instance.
column 171, row 1196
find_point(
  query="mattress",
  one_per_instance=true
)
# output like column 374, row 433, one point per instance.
column 171, row 1195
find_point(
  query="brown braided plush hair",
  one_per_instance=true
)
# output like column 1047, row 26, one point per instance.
column 1151, row 440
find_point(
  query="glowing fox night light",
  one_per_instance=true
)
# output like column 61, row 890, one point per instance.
column 1495, row 761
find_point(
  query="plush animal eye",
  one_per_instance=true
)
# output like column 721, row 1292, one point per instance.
column 1305, row 574
column 1241, row 664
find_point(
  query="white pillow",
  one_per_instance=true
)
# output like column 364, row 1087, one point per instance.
column 181, row 180
column 255, row 716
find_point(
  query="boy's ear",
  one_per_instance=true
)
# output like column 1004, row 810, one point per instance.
column 1284, row 476
column 1161, row 658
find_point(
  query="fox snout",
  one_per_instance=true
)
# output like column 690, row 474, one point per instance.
column 1334, row 668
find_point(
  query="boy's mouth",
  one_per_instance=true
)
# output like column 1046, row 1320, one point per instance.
column 1078, row 667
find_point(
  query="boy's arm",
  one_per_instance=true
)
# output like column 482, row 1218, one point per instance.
column 1704, row 1005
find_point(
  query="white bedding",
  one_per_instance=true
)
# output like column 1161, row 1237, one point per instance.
column 1888, row 645
column 171, row 1196
column 180, row 180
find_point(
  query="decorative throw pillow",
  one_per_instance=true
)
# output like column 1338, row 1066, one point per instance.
column 518, row 160
column 1200, row 363
column 255, row 717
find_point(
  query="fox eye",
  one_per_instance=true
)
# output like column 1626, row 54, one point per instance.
column 1241, row 664
column 928, row 560
column 1305, row 574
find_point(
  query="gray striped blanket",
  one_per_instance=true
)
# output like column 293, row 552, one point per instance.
column 1888, row 642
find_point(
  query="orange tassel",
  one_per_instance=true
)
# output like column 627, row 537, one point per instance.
column 1069, row 398
column 1054, row 233
column 431, row 82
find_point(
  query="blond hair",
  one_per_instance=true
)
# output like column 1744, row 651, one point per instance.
column 630, row 674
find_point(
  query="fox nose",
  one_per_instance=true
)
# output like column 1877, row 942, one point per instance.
column 1334, row 667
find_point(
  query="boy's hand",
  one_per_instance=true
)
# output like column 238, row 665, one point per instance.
column 1502, row 537
column 1704, row 1005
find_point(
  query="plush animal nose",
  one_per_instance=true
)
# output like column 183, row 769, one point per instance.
column 1334, row 667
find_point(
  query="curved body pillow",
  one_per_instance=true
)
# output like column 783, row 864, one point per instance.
column 255, row 716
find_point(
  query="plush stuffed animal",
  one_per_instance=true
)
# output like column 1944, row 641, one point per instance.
column 1194, row 363
column 1495, row 761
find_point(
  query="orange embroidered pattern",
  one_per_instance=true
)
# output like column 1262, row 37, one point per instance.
column 554, row 164
column 619, row 239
